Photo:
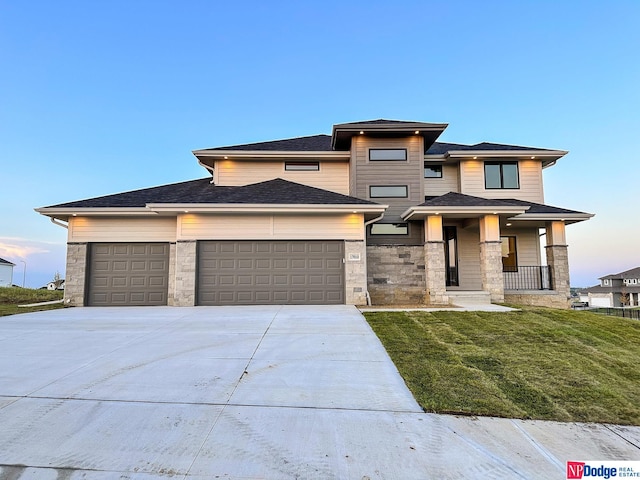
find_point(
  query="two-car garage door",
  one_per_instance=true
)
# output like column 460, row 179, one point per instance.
column 228, row 273
column 270, row 272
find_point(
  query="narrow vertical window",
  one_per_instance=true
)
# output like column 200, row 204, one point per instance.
column 509, row 254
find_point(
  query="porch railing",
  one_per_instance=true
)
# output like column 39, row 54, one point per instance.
column 537, row 277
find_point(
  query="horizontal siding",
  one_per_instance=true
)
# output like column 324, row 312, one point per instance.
column 268, row 227
column 332, row 176
column 530, row 172
column 527, row 245
column 440, row 186
column 111, row 229
column 469, row 274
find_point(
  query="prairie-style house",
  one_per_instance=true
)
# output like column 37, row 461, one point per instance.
column 615, row 290
column 377, row 212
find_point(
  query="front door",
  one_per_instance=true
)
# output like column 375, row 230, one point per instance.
column 451, row 255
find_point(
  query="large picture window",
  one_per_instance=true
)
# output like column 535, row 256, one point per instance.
column 388, row 191
column 388, row 154
column 501, row 175
column 389, row 229
column 509, row 254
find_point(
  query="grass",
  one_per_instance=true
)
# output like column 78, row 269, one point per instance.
column 535, row 363
column 11, row 297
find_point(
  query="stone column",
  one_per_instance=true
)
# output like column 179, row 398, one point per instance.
column 76, row 274
column 491, row 257
column 171, row 284
column 355, row 272
column 558, row 258
column 185, row 273
column 435, row 265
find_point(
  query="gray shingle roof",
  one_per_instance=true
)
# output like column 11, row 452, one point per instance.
column 318, row 143
column 632, row 273
column 453, row 199
column 6, row 262
column 440, row 148
column 322, row 143
column 272, row 192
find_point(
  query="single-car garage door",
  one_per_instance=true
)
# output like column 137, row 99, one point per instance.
column 128, row 274
column 270, row 272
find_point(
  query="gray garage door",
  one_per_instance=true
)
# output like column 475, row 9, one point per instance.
column 128, row 274
column 270, row 272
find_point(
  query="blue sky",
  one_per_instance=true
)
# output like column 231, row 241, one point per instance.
column 107, row 96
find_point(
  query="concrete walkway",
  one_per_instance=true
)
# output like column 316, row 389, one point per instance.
column 246, row 393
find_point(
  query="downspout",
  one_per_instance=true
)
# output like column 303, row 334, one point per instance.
column 365, row 224
column 59, row 223
column 207, row 167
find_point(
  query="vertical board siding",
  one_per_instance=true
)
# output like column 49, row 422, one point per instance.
column 332, row 176
column 408, row 172
column 284, row 227
column 530, row 173
column 112, row 229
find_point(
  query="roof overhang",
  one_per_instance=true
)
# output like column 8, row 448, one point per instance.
column 420, row 212
column 343, row 132
column 269, row 155
column 542, row 218
column 548, row 157
column 171, row 209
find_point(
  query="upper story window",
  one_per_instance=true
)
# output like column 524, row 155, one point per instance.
column 432, row 171
column 388, row 154
column 605, row 282
column 386, row 191
column 501, row 175
column 302, row 166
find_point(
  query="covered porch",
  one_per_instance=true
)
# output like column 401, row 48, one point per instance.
column 479, row 249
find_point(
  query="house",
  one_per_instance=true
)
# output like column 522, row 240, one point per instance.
column 615, row 290
column 55, row 285
column 379, row 211
column 6, row 273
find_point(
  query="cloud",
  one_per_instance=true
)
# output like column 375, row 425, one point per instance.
column 17, row 248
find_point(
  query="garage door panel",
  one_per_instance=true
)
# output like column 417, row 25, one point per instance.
column 264, row 272
column 128, row 274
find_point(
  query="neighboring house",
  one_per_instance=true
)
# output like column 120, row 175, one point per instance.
column 6, row 273
column 616, row 290
column 55, row 285
column 377, row 211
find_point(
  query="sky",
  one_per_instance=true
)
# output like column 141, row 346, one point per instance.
column 102, row 97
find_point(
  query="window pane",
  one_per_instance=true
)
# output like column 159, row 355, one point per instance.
column 387, row 154
column 509, row 254
column 389, row 229
column 509, row 175
column 492, row 175
column 381, row 191
column 432, row 171
column 302, row 166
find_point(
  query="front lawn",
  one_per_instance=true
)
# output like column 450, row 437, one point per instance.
column 11, row 297
column 536, row 363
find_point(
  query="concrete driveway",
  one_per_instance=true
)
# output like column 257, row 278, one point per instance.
column 271, row 392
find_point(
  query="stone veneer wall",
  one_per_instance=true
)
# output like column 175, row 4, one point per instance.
column 537, row 298
column 185, row 274
column 355, row 272
column 396, row 274
column 76, row 274
column 491, row 270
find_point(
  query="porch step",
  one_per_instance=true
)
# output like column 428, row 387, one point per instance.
column 464, row 298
